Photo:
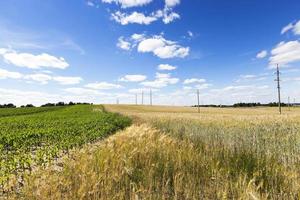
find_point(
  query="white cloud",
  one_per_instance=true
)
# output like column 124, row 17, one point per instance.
column 137, row 37
column 190, row 33
column 252, row 77
column 41, row 78
column 203, row 86
column 172, row 3
column 167, row 16
column 33, row 61
column 81, row 91
column 67, row 80
column 162, row 48
column 166, row 67
column 133, row 78
column 133, row 18
column 162, row 80
column 4, row 74
column 140, row 90
column 262, row 54
column 194, row 80
column 295, row 27
column 129, row 3
column 103, row 86
column 122, row 44
column 285, row 52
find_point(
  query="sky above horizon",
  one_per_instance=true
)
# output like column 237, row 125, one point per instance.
column 98, row 51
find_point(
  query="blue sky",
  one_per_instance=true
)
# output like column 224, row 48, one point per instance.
column 100, row 50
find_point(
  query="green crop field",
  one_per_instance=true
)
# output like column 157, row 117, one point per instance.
column 32, row 137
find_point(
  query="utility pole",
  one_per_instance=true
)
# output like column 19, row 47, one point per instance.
column 142, row 97
column 136, row 101
column 150, row 97
column 289, row 105
column 117, row 101
column 278, row 87
column 198, row 99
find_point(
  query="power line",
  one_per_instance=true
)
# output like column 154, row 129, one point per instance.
column 278, row 87
column 150, row 97
column 198, row 99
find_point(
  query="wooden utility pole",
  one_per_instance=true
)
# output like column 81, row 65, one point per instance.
column 278, row 87
column 117, row 101
column 198, row 99
column 142, row 97
column 150, row 97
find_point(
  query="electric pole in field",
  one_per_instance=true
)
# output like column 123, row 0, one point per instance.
column 142, row 97
column 136, row 101
column 198, row 99
column 150, row 97
column 278, row 87
column 289, row 104
column 117, row 101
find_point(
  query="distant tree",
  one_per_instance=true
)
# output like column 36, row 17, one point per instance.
column 60, row 104
column 29, row 105
column 71, row 103
column 10, row 105
column 48, row 105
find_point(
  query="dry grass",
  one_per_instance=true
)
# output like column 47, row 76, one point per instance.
column 175, row 153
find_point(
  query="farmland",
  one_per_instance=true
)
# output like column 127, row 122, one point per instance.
column 176, row 153
column 31, row 137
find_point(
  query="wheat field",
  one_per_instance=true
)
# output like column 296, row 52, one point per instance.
column 177, row 153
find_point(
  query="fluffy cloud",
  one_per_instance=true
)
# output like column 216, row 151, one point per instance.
column 135, row 17
column 162, row 80
column 129, row 3
column 33, row 61
column 166, row 67
column 123, row 44
column 41, row 78
column 262, row 54
column 81, row 91
column 103, row 86
column 156, row 44
column 133, row 78
column 203, row 86
column 252, row 77
column 67, row 80
column 162, row 48
column 194, row 80
column 4, row 74
column 285, row 52
column 167, row 16
column 172, row 3
column 295, row 27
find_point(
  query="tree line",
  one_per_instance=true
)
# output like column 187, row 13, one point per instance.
column 10, row 105
column 255, row 104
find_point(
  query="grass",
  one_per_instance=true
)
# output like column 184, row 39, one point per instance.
column 176, row 153
column 37, row 137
